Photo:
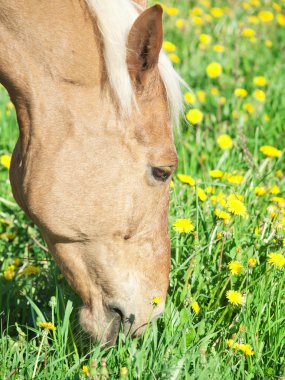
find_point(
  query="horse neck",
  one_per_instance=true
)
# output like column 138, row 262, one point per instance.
column 50, row 54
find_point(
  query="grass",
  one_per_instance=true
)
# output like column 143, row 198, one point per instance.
column 190, row 341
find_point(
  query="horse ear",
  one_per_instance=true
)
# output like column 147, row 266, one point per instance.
column 144, row 42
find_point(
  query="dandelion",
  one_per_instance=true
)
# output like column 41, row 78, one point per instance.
column 214, row 91
column 9, row 273
column 197, row 20
column 270, row 151
column 195, row 116
column 274, row 190
column 184, row 178
column 172, row 11
column 240, row 92
column 174, row 58
column 123, row 372
column 259, row 81
column 217, row 12
column 216, row 173
column 201, row 194
column 259, row 191
column 225, row 142
column 156, row 301
column 85, row 370
column 189, row 98
column 246, row 349
column 180, row 23
column 222, row 214
column 259, row 95
column 248, row 32
column 222, row 100
column 5, row 161
column 279, row 173
column 235, row 267
column 235, row 298
column 276, row 259
column 253, row 19
column 280, row 19
column 214, row 70
column 47, row 325
column 218, row 48
column 251, row 262
column 201, row 95
column 169, row 46
column 248, row 107
column 276, row 7
column 236, row 207
column 195, row 307
column 235, row 179
column 268, row 43
column 279, row 200
column 205, row 39
column 17, row 261
column 265, row 16
column 183, row 226
column 196, row 11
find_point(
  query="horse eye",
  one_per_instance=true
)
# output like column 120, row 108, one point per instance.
column 161, row 174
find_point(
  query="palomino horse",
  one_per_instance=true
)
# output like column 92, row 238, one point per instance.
column 95, row 101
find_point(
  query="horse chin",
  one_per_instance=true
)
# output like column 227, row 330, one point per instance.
column 103, row 329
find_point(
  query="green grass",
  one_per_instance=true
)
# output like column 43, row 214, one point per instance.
column 180, row 344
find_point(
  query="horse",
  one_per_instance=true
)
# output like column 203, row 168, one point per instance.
column 96, row 101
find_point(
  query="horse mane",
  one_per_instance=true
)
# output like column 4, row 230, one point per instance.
column 115, row 19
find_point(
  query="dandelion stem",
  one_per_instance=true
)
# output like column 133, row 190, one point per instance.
column 45, row 332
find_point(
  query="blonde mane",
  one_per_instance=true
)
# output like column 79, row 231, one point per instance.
column 114, row 19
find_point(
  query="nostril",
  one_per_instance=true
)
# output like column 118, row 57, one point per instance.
column 114, row 309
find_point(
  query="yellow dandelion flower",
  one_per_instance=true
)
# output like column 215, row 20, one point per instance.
column 5, row 161
column 189, row 98
column 259, row 95
column 274, row 190
column 85, row 370
column 219, row 48
column 276, row 259
column 235, row 179
column 180, row 23
column 17, row 261
column 246, row 6
column 240, row 92
column 196, row 11
column 47, row 325
column 201, row 194
column 205, row 39
column 174, row 58
column 253, row 19
column 268, row 43
column 251, row 262
column 208, row 18
column 259, row 81
column 156, row 301
column 222, row 214
column 235, row 267
column 201, row 95
column 9, row 273
column 214, row 91
column 195, row 307
column 232, row 344
column 265, row 16
column 236, row 207
column 235, row 298
column 197, row 20
column 270, row 151
column 183, row 226
column 248, row 107
column 195, row 116
column 279, row 173
column 235, row 115
column 172, row 11
column 225, row 141
column 168, row 46
column 123, row 372
column 279, row 200
column 184, row 178
column 248, row 32
column 210, row 189
column 216, row 173
column 214, row 70
column 276, row 6
column 281, row 19
column 217, row 12
column 29, row 270
column 246, row 349
column 259, row 190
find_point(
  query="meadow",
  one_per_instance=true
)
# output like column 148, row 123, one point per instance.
column 225, row 311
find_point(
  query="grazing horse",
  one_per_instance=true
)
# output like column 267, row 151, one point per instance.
column 96, row 100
